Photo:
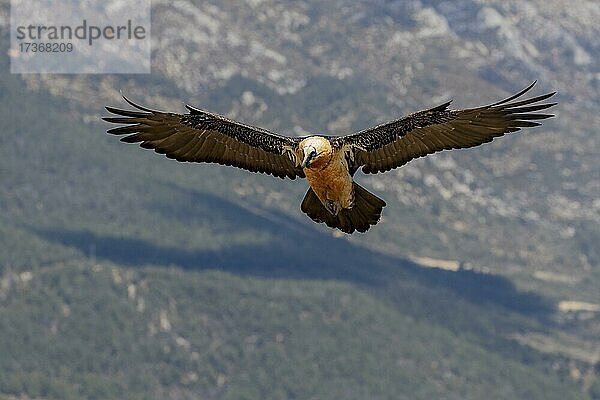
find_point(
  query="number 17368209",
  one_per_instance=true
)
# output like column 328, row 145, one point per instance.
column 45, row 47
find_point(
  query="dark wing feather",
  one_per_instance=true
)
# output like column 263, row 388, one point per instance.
column 395, row 143
column 201, row 136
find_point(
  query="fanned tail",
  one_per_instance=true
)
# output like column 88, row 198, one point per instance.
column 366, row 211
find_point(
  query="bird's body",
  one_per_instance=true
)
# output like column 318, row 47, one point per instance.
column 328, row 163
column 328, row 174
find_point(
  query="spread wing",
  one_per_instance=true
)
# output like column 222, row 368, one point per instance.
column 393, row 144
column 201, row 136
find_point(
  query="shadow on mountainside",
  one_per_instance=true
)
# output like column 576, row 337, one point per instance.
column 301, row 251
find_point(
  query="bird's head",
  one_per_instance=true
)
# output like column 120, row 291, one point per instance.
column 309, row 153
column 315, row 151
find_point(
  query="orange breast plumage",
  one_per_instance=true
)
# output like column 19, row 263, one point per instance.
column 332, row 183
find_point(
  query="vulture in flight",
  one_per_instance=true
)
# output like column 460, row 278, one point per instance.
column 327, row 162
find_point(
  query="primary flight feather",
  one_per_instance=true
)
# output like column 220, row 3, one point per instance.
column 327, row 162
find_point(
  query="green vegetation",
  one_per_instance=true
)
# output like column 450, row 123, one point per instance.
column 100, row 331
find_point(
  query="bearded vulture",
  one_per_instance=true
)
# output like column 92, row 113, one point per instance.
column 327, row 162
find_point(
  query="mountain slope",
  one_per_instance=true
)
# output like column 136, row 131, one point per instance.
column 85, row 315
column 83, row 217
column 100, row 331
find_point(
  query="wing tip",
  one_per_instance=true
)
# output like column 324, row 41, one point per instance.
column 135, row 105
column 128, row 117
column 122, row 130
column 113, row 110
column 192, row 109
column 516, row 95
column 443, row 106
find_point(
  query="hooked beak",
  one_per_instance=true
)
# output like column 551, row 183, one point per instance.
column 309, row 156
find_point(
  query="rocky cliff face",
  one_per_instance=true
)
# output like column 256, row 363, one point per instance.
column 522, row 198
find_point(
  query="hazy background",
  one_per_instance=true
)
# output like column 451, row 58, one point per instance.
column 127, row 275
